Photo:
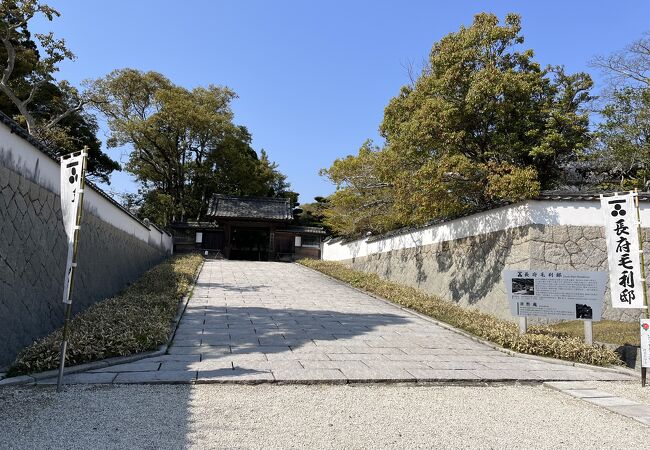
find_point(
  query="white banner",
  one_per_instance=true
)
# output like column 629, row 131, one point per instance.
column 645, row 342
column 557, row 294
column 622, row 236
column 72, row 173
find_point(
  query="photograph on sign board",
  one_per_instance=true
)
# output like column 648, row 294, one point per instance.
column 584, row 312
column 523, row 286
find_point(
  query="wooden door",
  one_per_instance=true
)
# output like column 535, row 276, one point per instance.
column 213, row 240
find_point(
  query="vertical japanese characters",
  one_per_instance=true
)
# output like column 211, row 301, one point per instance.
column 621, row 234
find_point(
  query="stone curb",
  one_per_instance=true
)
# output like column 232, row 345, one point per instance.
column 182, row 306
column 613, row 403
column 619, row 370
column 113, row 361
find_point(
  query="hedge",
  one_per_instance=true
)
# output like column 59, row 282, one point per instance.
column 138, row 319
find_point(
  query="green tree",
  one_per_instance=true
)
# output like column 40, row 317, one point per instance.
column 314, row 213
column 269, row 181
column 185, row 145
column 482, row 124
column 622, row 147
column 50, row 111
column 364, row 196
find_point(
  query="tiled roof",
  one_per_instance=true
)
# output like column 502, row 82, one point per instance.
column 568, row 196
column 260, row 208
column 581, row 196
column 306, row 230
column 184, row 225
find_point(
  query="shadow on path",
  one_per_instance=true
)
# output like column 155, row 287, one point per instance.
column 256, row 336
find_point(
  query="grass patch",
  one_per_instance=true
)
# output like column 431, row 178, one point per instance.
column 541, row 341
column 137, row 320
column 609, row 331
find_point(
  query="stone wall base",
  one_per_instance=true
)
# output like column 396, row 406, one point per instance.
column 33, row 249
column 467, row 271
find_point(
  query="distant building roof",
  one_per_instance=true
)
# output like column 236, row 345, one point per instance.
column 200, row 225
column 304, row 230
column 259, row 208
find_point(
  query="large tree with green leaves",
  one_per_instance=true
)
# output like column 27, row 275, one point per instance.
column 365, row 196
column 314, row 214
column 185, row 146
column 483, row 123
column 50, row 110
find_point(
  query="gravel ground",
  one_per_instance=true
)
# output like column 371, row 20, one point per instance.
column 299, row 416
column 630, row 390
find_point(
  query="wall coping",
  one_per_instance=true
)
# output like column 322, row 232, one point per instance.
column 16, row 129
column 552, row 209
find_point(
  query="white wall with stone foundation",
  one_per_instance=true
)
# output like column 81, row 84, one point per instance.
column 461, row 260
column 114, row 246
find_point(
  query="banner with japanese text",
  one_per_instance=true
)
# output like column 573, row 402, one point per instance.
column 622, row 236
column 72, row 173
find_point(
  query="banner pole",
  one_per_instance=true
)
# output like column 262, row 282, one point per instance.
column 643, row 275
column 68, row 314
column 68, row 309
column 64, row 346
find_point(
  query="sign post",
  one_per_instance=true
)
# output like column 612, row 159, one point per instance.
column 73, row 173
column 589, row 331
column 523, row 325
column 645, row 359
column 645, row 349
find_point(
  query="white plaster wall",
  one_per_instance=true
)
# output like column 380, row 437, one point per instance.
column 30, row 162
column 532, row 212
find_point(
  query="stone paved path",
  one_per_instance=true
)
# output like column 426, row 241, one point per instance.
column 259, row 321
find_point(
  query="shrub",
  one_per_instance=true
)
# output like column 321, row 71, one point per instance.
column 541, row 341
column 138, row 319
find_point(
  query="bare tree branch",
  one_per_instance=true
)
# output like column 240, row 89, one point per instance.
column 630, row 64
column 78, row 107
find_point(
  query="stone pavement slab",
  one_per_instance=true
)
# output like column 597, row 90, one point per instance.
column 140, row 366
column 606, row 402
column 611, row 402
column 587, row 393
column 279, row 322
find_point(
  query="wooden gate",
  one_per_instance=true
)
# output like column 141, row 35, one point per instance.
column 213, row 240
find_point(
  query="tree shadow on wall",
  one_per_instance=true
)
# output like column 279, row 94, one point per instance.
column 418, row 258
column 406, row 241
column 478, row 260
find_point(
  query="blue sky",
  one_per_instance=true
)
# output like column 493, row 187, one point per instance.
column 313, row 77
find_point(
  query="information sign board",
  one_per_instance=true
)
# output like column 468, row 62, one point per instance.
column 555, row 294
